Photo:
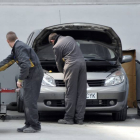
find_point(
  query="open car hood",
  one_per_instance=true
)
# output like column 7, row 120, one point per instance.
column 83, row 31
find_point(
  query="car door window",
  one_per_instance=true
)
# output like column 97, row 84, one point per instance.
column 29, row 38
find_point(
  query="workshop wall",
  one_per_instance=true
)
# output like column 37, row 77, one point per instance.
column 124, row 19
column 46, row 2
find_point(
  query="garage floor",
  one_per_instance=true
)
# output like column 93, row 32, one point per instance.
column 96, row 127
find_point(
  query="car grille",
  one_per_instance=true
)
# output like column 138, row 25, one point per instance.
column 99, row 103
column 60, row 83
column 55, row 103
column 91, row 83
column 89, row 103
column 96, row 83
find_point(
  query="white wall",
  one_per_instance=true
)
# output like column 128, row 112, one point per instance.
column 124, row 19
column 47, row 2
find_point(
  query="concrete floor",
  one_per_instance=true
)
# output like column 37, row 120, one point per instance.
column 97, row 127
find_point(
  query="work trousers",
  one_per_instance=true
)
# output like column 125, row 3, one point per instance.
column 31, row 86
column 75, row 78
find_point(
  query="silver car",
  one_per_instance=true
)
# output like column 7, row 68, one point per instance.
column 107, row 83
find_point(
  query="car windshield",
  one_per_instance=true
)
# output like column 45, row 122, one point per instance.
column 91, row 51
column 95, row 51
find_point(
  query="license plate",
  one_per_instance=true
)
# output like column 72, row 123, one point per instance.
column 92, row 95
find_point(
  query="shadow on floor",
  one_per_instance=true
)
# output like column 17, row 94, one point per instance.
column 89, row 117
column 52, row 117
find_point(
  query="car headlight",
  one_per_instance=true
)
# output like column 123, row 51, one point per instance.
column 115, row 78
column 48, row 81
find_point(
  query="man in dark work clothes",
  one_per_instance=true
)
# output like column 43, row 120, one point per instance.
column 30, row 77
column 75, row 78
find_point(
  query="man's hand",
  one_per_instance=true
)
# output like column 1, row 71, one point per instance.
column 19, row 84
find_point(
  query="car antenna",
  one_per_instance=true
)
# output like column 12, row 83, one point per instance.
column 60, row 16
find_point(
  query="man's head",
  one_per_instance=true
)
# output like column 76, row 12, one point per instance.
column 52, row 37
column 11, row 38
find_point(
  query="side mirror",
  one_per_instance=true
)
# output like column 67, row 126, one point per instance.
column 126, row 58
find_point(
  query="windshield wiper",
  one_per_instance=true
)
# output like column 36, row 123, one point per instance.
column 112, row 63
column 47, row 60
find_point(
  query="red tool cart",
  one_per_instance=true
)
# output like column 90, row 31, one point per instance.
column 3, row 109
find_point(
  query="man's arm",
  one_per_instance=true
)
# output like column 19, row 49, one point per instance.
column 23, row 61
column 58, row 59
column 7, row 62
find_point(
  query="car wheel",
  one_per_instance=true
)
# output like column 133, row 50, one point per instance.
column 121, row 115
column 20, row 101
column 12, row 106
column 39, row 116
column 138, row 111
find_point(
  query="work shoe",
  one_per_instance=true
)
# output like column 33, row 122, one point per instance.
column 63, row 121
column 22, row 128
column 31, row 130
column 80, row 122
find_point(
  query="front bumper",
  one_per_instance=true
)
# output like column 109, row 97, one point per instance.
column 42, row 107
column 117, row 92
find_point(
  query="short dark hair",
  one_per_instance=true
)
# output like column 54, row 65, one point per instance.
column 11, row 36
column 52, row 36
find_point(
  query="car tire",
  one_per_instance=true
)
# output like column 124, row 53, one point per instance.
column 39, row 116
column 121, row 115
column 12, row 106
column 20, row 104
column 138, row 111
